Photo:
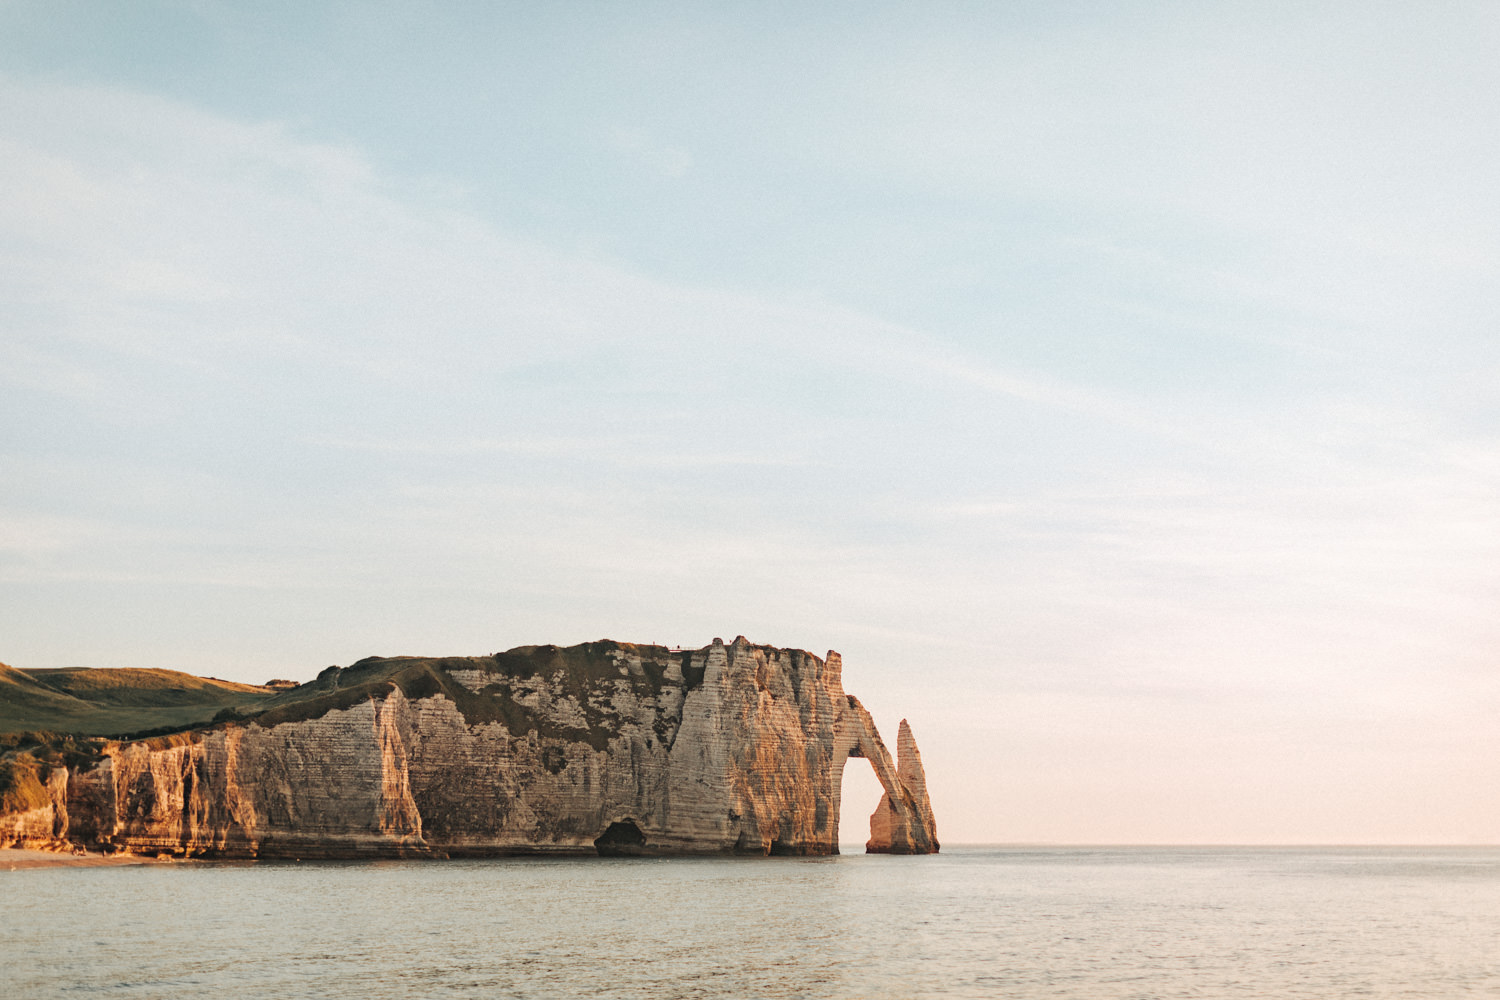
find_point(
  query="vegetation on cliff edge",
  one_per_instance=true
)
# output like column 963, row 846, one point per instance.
column 115, row 702
column 21, row 787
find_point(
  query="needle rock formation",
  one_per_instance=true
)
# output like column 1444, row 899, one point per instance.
column 603, row 747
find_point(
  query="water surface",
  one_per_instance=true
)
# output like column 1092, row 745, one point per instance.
column 972, row 922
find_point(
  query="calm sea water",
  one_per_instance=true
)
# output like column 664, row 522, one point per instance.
column 971, row 922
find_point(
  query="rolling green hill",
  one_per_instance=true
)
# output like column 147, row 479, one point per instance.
column 81, row 702
column 111, row 702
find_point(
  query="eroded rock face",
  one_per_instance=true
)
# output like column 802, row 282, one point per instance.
column 43, row 825
column 902, row 823
column 605, row 747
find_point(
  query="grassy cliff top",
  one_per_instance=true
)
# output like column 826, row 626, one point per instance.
column 79, row 701
column 82, row 701
column 576, row 671
column 112, row 701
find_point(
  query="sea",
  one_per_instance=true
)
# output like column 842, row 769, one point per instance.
column 993, row 922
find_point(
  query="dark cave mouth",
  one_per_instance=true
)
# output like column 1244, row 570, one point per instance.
column 621, row 840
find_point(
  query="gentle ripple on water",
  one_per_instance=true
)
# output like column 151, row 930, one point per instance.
column 1101, row 924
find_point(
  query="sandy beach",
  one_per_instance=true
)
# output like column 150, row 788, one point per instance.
column 18, row 859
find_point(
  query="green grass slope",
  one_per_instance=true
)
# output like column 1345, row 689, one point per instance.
column 24, row 699
column 79, row 702
column 113, row 702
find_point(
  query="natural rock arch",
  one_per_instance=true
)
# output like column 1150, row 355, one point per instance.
column 902, row 823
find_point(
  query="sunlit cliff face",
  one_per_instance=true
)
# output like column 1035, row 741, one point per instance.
column 605, row 747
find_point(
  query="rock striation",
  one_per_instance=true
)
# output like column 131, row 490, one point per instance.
column 604, row 747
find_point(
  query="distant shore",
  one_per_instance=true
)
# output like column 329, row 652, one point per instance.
column 18, row 859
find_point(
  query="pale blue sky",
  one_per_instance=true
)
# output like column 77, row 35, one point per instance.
column 1113, row 385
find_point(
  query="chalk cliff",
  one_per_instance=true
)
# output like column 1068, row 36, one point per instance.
column 606, row 747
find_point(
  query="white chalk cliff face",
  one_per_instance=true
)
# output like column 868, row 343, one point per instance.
column 606, row 747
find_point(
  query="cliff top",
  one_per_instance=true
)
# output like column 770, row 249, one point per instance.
column 114, row 701
column 80, row 701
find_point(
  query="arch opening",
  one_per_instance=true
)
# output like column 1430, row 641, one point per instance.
column 860, row 793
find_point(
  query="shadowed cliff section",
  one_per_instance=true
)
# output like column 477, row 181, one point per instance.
column 603, row 747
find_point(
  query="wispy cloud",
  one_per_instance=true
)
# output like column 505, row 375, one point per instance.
column 637, row 145
column 469, row 446
column 262, row 395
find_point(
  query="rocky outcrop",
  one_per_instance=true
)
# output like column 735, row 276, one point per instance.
column 902, row 823
column 605, row 747
column 35, row 814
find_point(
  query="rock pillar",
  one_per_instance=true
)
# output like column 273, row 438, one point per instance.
column 903, row 822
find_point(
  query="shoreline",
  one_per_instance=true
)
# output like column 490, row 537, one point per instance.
column 13, row 859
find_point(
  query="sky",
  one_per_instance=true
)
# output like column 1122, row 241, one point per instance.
column 1113, row 385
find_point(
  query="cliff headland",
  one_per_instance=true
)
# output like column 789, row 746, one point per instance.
column 604, row 747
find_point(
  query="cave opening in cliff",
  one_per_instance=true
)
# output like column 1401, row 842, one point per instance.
column 621, row 839
column 860, row 792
